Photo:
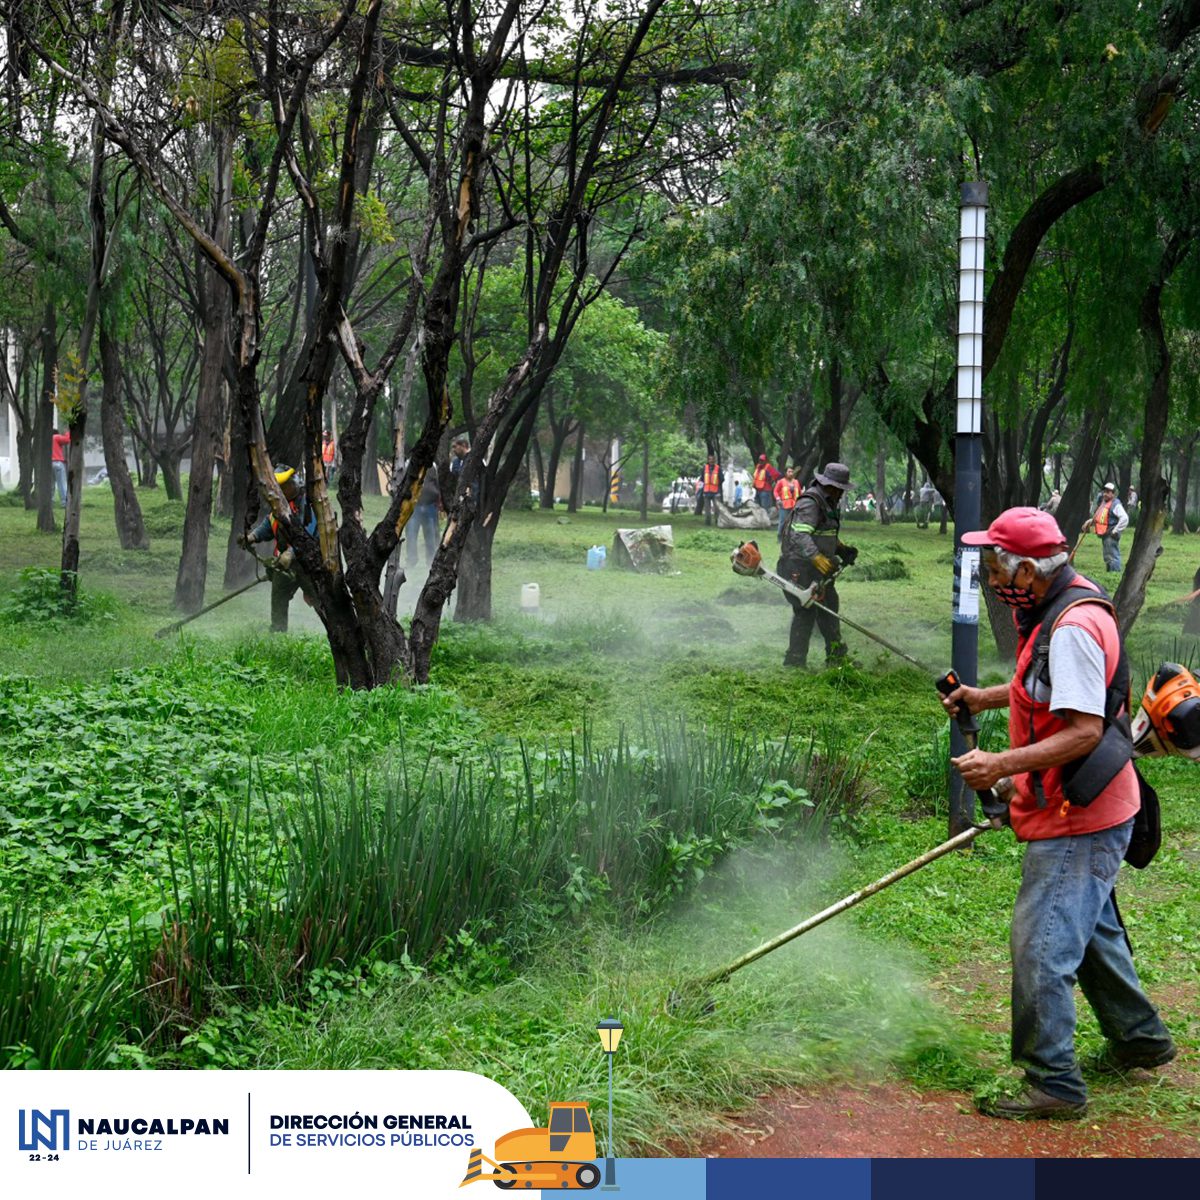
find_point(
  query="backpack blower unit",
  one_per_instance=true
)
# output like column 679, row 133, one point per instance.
column 1168, row 722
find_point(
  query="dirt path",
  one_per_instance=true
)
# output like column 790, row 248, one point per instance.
column 894, row 1121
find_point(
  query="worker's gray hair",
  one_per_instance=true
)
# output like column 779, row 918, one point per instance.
column 1043, row 568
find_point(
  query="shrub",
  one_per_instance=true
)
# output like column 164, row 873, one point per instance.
column 39, row 599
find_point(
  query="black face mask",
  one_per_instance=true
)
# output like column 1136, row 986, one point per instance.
column 1015, row 597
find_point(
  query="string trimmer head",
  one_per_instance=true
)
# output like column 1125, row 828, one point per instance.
column 747, row 559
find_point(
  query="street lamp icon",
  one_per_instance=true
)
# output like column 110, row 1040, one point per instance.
column 610, row 1031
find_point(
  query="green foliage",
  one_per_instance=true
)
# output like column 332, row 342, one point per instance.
column 58, row 1010
column 39, row 599
column 884, row 568
column 928, row 766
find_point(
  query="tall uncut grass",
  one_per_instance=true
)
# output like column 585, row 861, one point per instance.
column 56, row 1010
column 394, row 868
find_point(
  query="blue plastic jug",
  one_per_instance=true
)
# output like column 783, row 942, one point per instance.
column 596, row 558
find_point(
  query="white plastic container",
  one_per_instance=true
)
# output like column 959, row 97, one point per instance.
column 531, row 597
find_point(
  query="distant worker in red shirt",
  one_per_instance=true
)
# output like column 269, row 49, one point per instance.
column 787, row 492
column 710, row 487
column 58, row 463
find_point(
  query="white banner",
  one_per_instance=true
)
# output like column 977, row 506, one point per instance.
column 233, row 1134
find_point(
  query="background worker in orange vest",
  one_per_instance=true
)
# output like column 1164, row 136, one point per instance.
column 711, row 479
column 1108, row 523
column 787, row 492
column 329, row 455
column 763, row 482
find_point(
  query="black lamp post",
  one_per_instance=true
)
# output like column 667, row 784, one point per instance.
column 610, row 1031
column 968, row 474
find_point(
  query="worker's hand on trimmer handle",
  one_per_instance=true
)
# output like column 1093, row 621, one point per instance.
column 969, row 698
column 823, row 563
column 995, row 802
column 980, row 769
column 847, row 554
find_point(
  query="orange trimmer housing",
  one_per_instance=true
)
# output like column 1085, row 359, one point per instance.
column 1168, row 721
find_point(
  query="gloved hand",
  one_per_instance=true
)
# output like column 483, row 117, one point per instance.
column 243, row 540
column 823, row 563
column 848, row 554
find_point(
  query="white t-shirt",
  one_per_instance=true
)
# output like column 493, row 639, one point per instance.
column 1077, row 673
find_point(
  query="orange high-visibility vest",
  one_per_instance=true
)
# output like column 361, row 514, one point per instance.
column 1103, row 517
column 760, row 478
column 712, row 478
column 786, row 492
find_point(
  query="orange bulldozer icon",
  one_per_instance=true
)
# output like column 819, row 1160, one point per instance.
column 557, row 1158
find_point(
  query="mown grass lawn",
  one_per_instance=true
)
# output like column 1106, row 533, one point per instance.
column 137, row 733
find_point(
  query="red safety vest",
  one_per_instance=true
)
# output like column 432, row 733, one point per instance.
column 1120, row 800
column 762, row 478
column 786, row 492
column 712, row 478
column 1103, row 517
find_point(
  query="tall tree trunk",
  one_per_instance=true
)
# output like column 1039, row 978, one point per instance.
column 517, row 495
column 170, row 462
column 539, row 467
column 225, row 501
column 25, row 440
column 475, row 574
column 44, row 422
column 370, row 469
column 576, row 497
column 131, row 529
column 558, row 439
column 1147, row 541
column 239, row 566
column 645, row 508
column 829, row 440
column 1076, row 503
column 881, row 505
column 208, row 428
column 1187, row 453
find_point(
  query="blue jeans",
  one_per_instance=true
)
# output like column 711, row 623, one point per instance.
column 764, row 497
column 1110, row 547
column 1065, row 928
column 424, row 519
column 60, row 481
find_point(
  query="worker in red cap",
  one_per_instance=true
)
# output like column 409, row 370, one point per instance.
column 763, row 481
column 1073, row 794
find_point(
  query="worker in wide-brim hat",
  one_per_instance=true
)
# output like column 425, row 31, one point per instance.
column 812, row 550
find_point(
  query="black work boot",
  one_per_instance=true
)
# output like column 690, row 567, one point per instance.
column 1032, row 1104
column 1117, row 1060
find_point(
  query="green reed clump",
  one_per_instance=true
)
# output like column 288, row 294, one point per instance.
column 396, row 867
column 58, row 1010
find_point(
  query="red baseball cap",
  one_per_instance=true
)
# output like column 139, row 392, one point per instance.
column 1026, row 531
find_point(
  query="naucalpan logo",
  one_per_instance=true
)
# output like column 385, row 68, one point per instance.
column 51, row 1131
column 46, row 1131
